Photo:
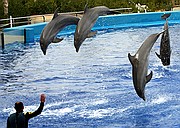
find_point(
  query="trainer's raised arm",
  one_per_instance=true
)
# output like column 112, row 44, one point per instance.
column 42, row 98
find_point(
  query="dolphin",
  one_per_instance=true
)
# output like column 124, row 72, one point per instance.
column 140, row 65
column 50, row 31
column 83, row 29
column 165, row 49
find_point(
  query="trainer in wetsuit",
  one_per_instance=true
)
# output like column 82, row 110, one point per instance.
column 20, row 119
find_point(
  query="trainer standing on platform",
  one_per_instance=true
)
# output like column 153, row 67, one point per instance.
column 20, row 119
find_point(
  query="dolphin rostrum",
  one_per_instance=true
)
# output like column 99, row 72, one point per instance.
column 83, row 29
column 140, row 65
column 165, row 49
column 50, row 31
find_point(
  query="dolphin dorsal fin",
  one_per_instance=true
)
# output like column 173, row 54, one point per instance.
column 86, row 8
column 148, row 78
column 55, row 13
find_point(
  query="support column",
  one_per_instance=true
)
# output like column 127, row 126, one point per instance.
column 2, row 40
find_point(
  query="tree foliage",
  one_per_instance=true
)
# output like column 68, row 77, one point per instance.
column 34, row 7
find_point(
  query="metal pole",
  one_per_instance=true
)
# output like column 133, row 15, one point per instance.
column 44, row 18
column 2, row 40
column 24, row 36
column 11, row 21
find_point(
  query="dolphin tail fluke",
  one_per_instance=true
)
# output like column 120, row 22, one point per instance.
column 57, row 40
column 148, row 78
column 165, row 16
column 158, row 55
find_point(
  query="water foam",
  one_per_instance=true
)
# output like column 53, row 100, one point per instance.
column 57, row 112
column 98, row 113
column 160, row 99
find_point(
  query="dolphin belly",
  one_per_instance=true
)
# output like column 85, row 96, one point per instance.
column 165, row 49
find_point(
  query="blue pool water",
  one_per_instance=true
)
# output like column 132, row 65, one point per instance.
column 92, row 88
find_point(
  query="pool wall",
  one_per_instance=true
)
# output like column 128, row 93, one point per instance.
column 120, row 21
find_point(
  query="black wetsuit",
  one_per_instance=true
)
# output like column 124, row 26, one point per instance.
column 20, row 120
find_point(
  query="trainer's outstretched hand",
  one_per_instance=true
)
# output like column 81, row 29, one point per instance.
column 42, row 98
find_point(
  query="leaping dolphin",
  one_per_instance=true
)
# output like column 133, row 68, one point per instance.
column 83, row 29
column 50, row 31
column 165, row 49
column 140, row 65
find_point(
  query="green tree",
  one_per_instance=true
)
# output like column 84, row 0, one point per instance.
column 34, row 7
column 41, row 6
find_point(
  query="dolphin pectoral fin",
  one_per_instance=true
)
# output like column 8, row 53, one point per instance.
column 131, row 58
column 134, row 61
column 55, row 13
column 113, row 12
column 148, row 78
column 57, row 40
column 159, row 56
column 91, row 34
column 75, row 20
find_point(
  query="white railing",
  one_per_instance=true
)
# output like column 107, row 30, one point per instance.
column 18, row 21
